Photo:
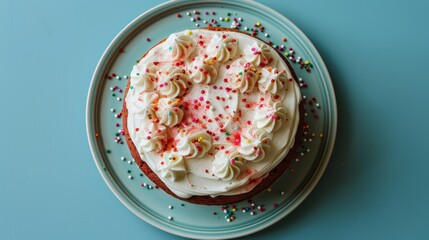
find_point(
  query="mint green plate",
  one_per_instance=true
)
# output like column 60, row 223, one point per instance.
column 151, row 204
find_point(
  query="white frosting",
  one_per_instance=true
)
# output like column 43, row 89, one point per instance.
column 272, row 80
column 227, row 166
column 243, row 76
column 194, row 145
column 272, row 118
column 174, row 82
column 254, row 148
column 222, row 47
column 203, row 72
column 180, row 46
column 216, row 97
column 260, row 54
column 151, row 137
column 144, row 76
column 168, row 112
column 173, row 167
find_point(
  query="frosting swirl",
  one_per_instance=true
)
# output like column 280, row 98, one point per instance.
column 142, row 104
column 144, row 76
column 253, row 149
column 227, row 166
column 222, row 47
column 245, row 79
column 152, row 137
column 259, row 54
column 272, row 80
column 180, row 45
column 168, row 111
column 174, row 83
column 203, row 72
column 270, row 119
column 172, row 167
column 194, row 145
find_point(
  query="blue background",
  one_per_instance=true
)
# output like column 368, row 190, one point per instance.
column 376, row 185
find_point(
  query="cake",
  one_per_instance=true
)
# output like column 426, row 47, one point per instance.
column 211, row 115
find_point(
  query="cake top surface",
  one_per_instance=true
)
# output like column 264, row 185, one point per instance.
column 212, row 112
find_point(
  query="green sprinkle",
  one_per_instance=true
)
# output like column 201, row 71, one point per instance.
column 240, row 73
column 131, row 87
column 227, row 133
column 108, row 151
column 229, row 14
column 170, row 47
column 114, row 95
column 117, row 134
column 236, row 158
column 137, row 74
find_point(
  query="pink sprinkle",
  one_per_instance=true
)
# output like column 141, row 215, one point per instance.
column 148, row 39
column 201, row 98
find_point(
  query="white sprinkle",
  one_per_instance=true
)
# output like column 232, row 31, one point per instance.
column 310, row 140
column 204, row 21
column 252, row 213
column 170, row 207
column 244, row 210
column 123, row 158
column 112, row 89
column 308, row 149
column 188, row 13
column 130, row 177
column 300, row 80
column 119, row 99
column 197, row 24
column 116, row 115
column 301, row 84
column 305, row 139
column 246, row 28
column 304, row 97
column 144, row 184
column 291, row 52
column 125, row 76
column 117, row 77
column 282, row 46
column 297, row 160
column 240, row 19
column 259, row 207
column 253, row 204
column 228, row 220
column 302, row 154
column 228, row 96
column 282, row 193
column 317, row 105
column 212, row 108
column 170, row 218
column 193, row 19
column 305, row 114
column 112, row 110
column 195, row 11
column 221, row 18
column 225, row 211
column 305, row 133
column 129, row 162
column 267, row 35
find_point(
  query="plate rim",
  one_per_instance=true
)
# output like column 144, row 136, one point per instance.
column 301, row 195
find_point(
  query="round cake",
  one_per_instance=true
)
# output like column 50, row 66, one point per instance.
column 211, row 115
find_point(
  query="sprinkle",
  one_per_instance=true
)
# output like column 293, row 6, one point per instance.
column 178, row 15
column 193, row 19
column 170, row 207
column 148, row 39
column 119, row 99
column 188, row 13
column 189, row 32
column 258, row 24
column 284, row 39
column 130, row 177
column 123, row 158
column 112, row 110
column 267, row 35
column 170, row 218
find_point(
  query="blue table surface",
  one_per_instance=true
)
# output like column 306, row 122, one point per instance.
column 376, row 185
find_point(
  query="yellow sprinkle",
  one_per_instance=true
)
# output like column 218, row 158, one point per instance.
column 189, row 32
column 226, row 19
column 321, row 135
column 258, row 24
column 307, row 62
column 269, row 189
column 200, row 139
column 286, row 54
column 247, row 141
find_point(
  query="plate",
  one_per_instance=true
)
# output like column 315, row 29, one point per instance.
column 136, row 192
